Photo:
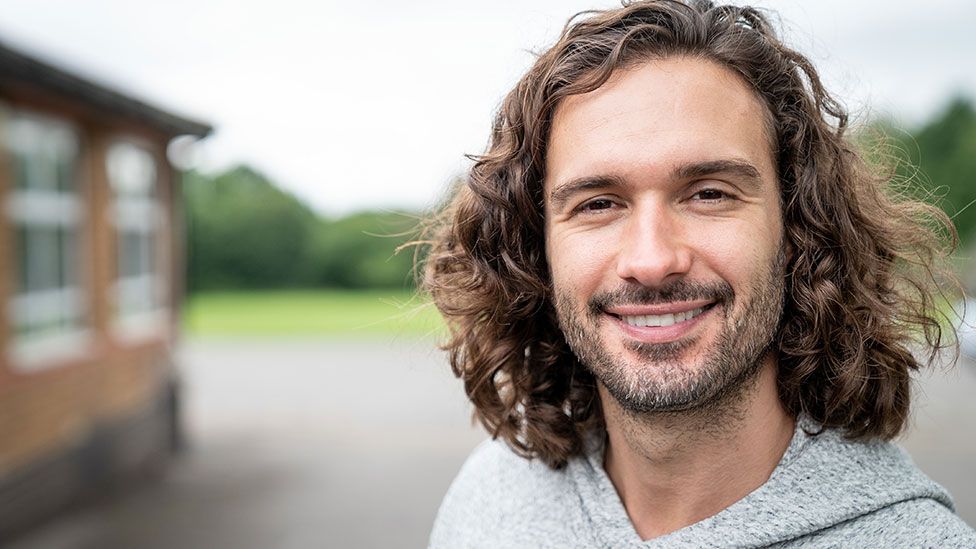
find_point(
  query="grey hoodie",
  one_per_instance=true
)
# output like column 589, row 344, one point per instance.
column 825, row 492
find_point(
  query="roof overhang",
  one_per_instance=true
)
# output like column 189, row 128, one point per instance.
column 20, row 70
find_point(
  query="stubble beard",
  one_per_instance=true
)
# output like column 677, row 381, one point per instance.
column 670, row 377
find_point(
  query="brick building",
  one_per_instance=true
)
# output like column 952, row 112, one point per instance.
column 91, row 265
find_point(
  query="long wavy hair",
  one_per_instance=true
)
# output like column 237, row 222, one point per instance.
column 861, row 281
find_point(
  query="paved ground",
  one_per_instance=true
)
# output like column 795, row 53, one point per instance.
column 301, row 444
column 942, row 439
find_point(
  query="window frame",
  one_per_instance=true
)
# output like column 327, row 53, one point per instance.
column 144, row 215
column 67, row 305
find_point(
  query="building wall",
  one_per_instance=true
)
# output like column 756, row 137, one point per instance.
column 103, row 409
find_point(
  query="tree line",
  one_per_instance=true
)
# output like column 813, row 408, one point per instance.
column 939, row 158
column 244, row 232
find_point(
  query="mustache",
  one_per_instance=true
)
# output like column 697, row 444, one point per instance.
column 679, row 290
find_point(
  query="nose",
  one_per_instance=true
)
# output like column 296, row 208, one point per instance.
column 653, row 249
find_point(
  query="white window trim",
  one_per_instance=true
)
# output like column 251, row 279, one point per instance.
column 145, row 215
column 30, row 353
column 141, row 216
column 42, row 208
column 45, row 305
column 141, row 326
column 43, row 352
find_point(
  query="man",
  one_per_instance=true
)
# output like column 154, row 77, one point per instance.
column 682, row 305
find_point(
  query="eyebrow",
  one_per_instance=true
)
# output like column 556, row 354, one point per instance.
column 745, row 171
column 561, row 194
column 740, row 168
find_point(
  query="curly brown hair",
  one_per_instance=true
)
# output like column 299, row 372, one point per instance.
column 861, row 280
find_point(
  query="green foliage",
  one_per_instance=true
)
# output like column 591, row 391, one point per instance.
column 947, row 155
column 359, row 251
column 940, row 158
column 245, row 233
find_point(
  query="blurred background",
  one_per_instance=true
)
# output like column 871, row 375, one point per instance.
column 208, row 337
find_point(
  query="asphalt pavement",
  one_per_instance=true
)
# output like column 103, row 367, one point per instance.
column 298, row 443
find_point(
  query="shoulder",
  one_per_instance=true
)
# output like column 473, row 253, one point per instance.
column 914, row 523
column 876, row 494
column 867, row 475
column 496, row 496
column 832, row 492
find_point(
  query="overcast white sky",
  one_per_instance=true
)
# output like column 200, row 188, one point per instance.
column 372, row 104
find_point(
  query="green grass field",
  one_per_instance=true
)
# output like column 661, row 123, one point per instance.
column 309, row 313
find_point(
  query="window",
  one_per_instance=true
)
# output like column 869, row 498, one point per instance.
column 137, row 218
column 45, row 211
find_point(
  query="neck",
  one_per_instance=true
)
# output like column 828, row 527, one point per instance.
column 674, row 469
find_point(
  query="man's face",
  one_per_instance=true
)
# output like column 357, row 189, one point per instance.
column 664, row 233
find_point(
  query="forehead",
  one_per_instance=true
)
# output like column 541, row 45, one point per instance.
column 658, row 115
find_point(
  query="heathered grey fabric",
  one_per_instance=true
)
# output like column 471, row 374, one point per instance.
column 825, row 492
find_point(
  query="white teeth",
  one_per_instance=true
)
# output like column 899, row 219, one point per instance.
column 662, row 320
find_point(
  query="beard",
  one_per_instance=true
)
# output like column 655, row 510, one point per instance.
column 682, row 375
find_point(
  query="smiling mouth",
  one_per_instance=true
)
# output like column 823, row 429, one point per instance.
column 668, row 319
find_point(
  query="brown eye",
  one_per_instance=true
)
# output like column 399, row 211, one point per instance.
column 709, row 194
column 598, row 204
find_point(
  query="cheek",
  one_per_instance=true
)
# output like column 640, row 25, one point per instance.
column 732, row 264
column 579, row 262
column 738, row 254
